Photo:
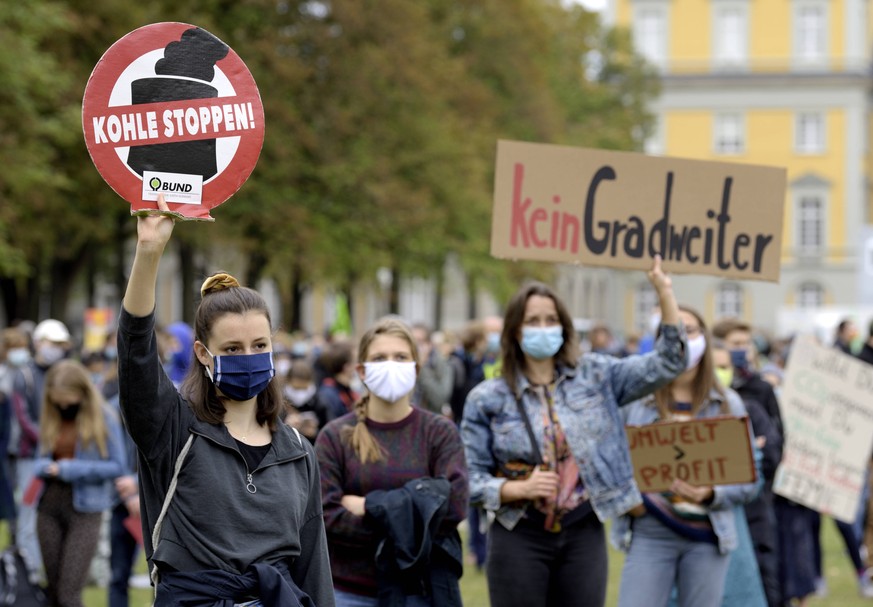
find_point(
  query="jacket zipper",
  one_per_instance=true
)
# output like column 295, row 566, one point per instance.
column 250, row 485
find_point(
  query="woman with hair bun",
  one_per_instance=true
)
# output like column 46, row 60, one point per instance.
column 230, row 496
column 394, row 486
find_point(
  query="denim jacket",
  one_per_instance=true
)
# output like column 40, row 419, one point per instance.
column 586, row 401
column 726, row 497
column 90, row 474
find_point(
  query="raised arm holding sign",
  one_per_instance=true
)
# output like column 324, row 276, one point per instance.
column 687, row 441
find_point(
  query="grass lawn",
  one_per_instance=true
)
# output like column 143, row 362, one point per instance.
column 838, row 570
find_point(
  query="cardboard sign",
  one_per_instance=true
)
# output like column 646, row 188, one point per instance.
column 171, row 109
column 619, row 209
column 702, row 452
column 827, row 410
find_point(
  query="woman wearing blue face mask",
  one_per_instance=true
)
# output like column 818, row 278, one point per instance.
column 547, row 451
column 229, row 495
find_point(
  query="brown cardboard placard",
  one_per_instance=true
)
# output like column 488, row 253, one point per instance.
column 703, row 452
column 618, row 209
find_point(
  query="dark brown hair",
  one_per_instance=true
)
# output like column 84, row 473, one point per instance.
column 513, row 319
column 727, row 326
column 335, row 357
column 704, row 380
column 221, row 294
column 358, row 436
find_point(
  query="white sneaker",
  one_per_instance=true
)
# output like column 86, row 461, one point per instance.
column 821, row 587
column 865, row 586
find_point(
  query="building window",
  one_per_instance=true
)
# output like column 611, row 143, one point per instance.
column 810, row 295
column 730, row 35
column 809, row 133
column 645, row 305
column 810, row 31
column 650, row 34
column 729, row 301
column 810, row 222
column 729, row 135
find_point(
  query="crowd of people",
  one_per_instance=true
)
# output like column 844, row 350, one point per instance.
column 256, row 467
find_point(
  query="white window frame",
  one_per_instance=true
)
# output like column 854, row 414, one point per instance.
column 729, row 133
column 810, row 295
column 730, row 50
column 810, row 44
column 804, row 214
column 729, row 300
column 809, row 132
column 651, row 31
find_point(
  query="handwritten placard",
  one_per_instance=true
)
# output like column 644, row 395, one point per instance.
column 619, row 209
column 702, row 452
column 827, row 410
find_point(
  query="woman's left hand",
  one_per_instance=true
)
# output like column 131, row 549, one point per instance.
column 691, row 493
column 663, row 284
column 52, row 470
column 354, row 504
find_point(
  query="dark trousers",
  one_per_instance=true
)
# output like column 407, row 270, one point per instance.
column 477, row 541
column 531, row 567
column 853, row 545
column 68, row 541
column 123, row 550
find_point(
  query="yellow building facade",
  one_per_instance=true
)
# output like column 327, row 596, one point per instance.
column 772, row 82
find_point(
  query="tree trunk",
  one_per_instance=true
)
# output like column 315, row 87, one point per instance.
column 394, row 291
column 295, row 307
column 438, row 303
column 186, row 268
column 472, row 307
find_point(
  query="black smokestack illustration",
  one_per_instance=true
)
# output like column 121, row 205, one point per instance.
column 193, row 56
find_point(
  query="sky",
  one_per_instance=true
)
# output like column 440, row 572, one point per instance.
column 592, row 4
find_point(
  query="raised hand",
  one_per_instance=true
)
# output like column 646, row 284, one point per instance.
column 657, row 277
column 154, row 230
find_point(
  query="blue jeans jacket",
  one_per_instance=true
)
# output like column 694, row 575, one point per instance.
column 721, row 511
column 586, row 401
column 91, row 474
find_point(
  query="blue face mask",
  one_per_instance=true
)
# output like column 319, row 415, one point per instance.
column 242, row 376
column 541, row 342
column 740, row 359
column 493, row 343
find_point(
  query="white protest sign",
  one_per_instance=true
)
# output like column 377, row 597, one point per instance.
column 827, row 410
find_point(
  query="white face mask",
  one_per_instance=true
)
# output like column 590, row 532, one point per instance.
column 18, row 357
column 50, row 353
column 299, row 397
column 389, row 380
column 696, row 348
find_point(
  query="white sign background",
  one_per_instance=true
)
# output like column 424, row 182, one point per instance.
column 827, row 410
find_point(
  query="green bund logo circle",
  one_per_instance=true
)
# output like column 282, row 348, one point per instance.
column 155, row 183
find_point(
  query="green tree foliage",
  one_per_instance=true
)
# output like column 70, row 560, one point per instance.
column 382, row 121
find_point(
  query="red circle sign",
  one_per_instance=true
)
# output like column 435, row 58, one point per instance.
column 171, row 109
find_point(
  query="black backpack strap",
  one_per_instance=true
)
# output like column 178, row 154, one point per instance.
column 535, row 448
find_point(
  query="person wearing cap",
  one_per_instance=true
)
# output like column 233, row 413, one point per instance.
column 52, row 342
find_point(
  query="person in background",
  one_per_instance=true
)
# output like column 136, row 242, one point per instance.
column 467, row 365
column 759, row 514
column 493, row 326
column 335, row 390
column 547, row 452
column 125, row 525
column 14, row 354
column 52, row 343
column 866, row 355
column 434, row 386
column 600, row 338
column 304, row 410
column 394, row 482
column 846, row 333
column 178, row 352
column 81, row 452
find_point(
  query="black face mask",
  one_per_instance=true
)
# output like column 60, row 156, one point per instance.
column 69, row 412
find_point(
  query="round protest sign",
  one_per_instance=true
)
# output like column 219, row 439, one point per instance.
column 171, row 109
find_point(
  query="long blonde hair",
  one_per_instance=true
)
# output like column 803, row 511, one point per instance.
column 71, row 376
column 364, row 444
